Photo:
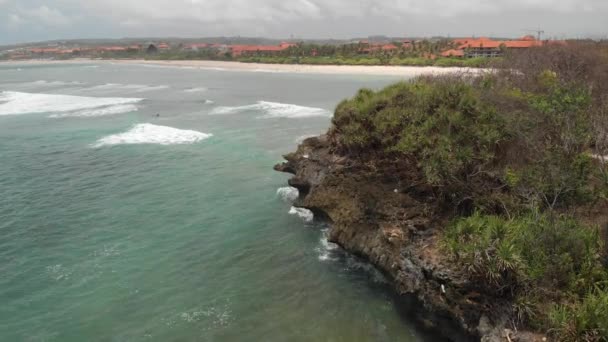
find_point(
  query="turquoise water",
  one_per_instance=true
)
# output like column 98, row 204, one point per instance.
column 107, row 240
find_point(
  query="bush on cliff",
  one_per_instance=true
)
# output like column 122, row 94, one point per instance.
column 512, row 152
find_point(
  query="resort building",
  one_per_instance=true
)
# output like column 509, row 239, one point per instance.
column 486, row 47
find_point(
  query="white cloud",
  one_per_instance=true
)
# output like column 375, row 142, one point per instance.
column 305, row 18
column 46, row 16
column 14, row 20
column 285, row 10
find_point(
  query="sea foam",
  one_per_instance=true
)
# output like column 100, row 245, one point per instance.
column 14, row 103
column 274, row 110
column 328, row 251
column 57, row 83
column 153, row 134
column 288, row 194
column 302, row 213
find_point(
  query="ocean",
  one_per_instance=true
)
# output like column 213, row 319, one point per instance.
column 138, row 203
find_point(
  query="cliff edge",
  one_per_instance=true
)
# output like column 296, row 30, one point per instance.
column 393, row 225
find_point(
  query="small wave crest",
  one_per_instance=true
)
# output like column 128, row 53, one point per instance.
column 153, row 134
column 274, row 110
column 137, row 88
column 305, row 214
column 288, row 194
column 14, row 103
column 195, row 90
column 109, row 110
column 56, row 83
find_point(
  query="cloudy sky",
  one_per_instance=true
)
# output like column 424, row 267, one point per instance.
column 36, row 20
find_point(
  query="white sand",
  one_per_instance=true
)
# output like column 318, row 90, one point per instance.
column 406, row 71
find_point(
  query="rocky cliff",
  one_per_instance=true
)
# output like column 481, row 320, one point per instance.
column 379, row 211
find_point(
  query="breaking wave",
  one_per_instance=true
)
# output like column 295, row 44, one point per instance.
column 14, row 103
column 288, row 194
column 274, row 110
column 302, row 213
column 328, row 251
column 153, row 134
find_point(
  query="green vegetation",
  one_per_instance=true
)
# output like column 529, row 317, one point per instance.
column 511, row 152
column 370, row 60
column 421, row 53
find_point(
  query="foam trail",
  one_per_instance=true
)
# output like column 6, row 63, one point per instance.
column 288, row 194
column 209, row 102
column 151, row 88
column 195, row 90
column 109, row 110
column 14, row 103
column 302, row 213
column 274, row 110
column 56, row 83
column 147, row 133
column 138, row 88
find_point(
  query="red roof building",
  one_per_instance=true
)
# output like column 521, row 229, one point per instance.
column 388, row 47
column 486, row 47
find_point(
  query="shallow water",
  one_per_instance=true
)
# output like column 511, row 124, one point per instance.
column 130, row 213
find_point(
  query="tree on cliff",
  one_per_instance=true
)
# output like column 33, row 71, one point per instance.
column 516, row 156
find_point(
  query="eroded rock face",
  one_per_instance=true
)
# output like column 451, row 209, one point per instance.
column 396, row 227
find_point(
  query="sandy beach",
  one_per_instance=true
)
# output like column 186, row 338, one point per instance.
column 381, row 70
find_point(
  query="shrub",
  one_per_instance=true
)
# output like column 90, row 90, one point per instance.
column 586, row 320
column 520, row 256
column 528, row 250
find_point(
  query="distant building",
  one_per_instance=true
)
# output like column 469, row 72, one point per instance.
column 486, row 47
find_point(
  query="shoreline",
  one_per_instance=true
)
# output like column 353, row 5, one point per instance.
column 377, row 70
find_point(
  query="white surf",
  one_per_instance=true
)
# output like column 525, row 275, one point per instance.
column 15, row 103
column 147, row 133
column 274, row 110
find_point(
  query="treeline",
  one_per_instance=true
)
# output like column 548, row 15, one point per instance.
column 370, row 60
column 415, row 53
column 514, row 157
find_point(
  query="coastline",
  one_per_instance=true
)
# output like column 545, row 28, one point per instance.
column 375, row 70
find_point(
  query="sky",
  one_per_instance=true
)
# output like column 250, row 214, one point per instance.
column 38, row 20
